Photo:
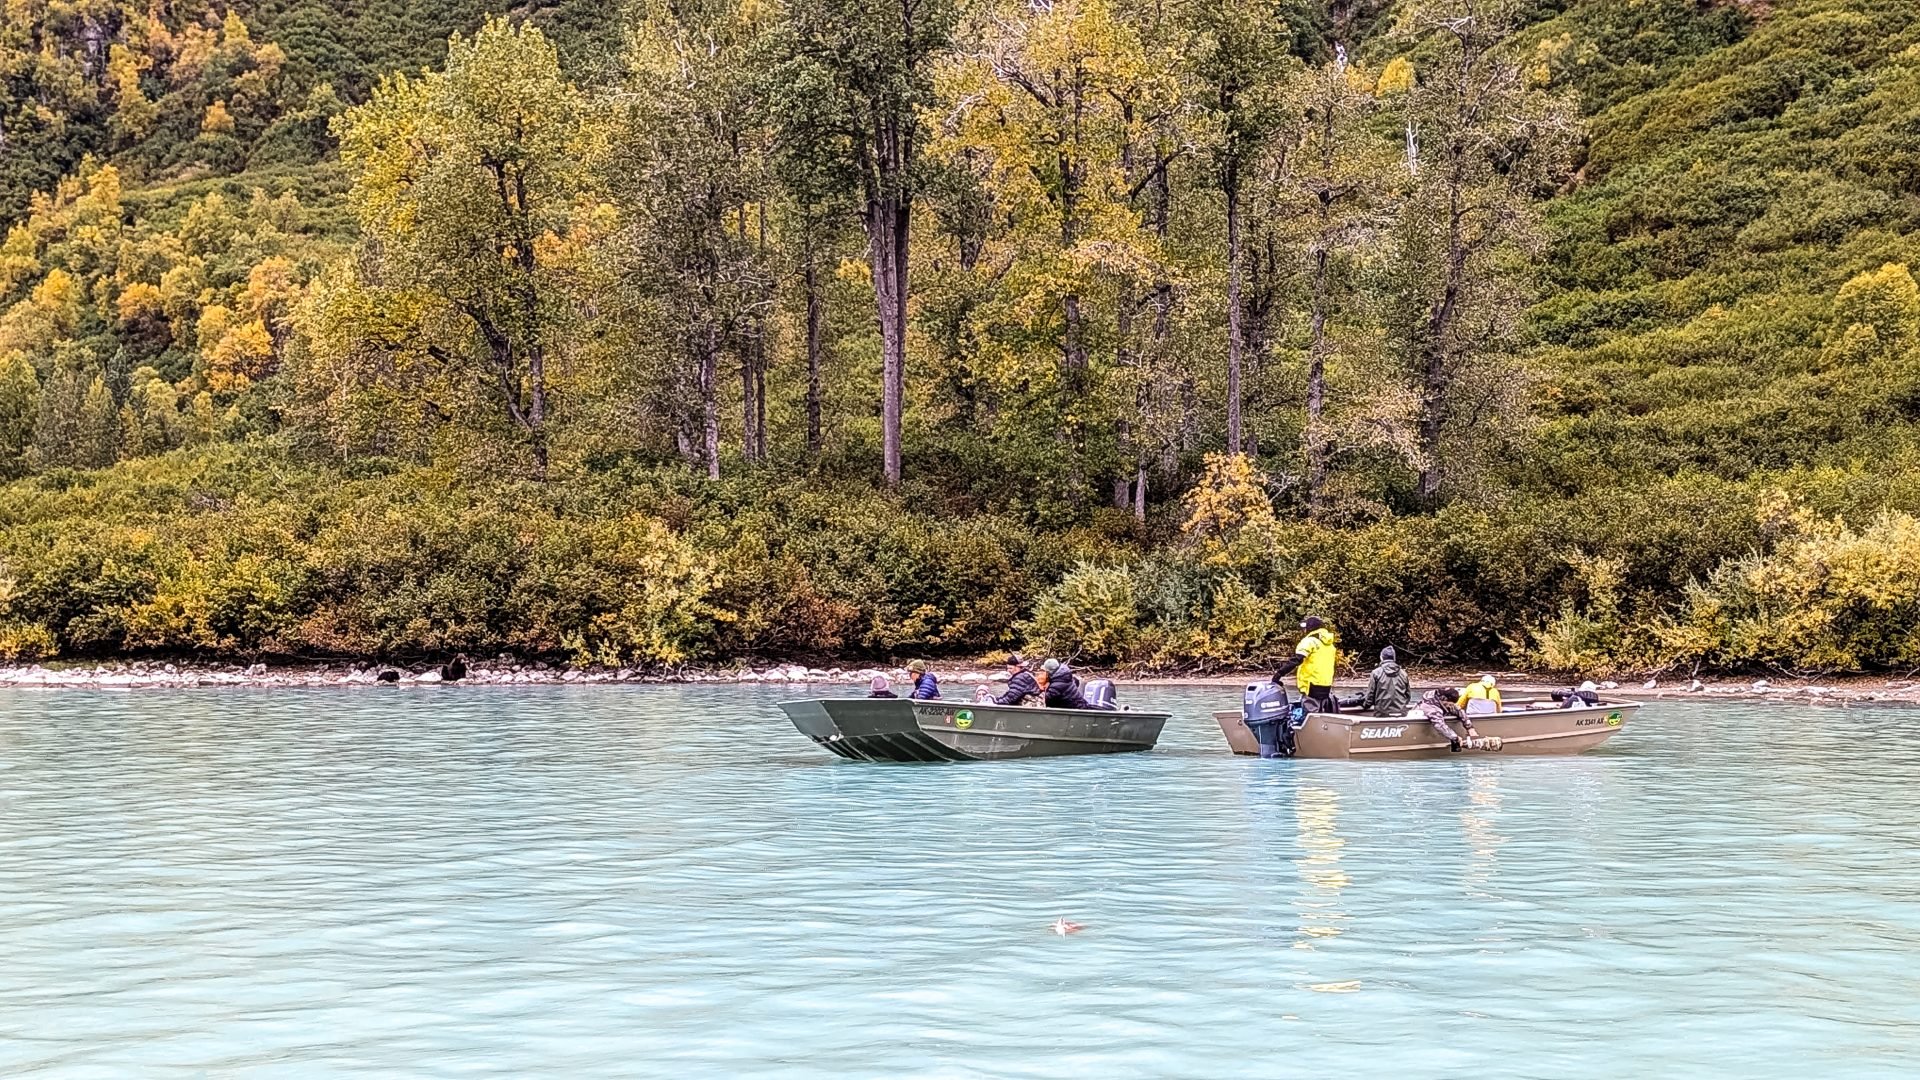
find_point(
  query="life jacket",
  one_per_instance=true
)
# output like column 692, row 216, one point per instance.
column 1320, row 653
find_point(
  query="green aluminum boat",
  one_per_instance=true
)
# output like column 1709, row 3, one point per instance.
column 897, row 729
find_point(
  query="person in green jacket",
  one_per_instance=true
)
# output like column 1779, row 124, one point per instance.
column 1388, row 691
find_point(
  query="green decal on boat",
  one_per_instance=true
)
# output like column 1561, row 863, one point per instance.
column 1613, row 719
column 963, row 719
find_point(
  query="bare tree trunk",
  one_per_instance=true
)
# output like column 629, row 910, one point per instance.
column 1123, row 430
column 1318, row 348
column 1074, row 344
column 1162, row 218
column 1436, row 376
column 1075, row 348
column 1230, row 184
column 816, row 305
column 683, row 440
column 887, row 238
column 537, row 409
column 1316, row 439
column 533, row 415
column 710, row 400
column 760, row 400
column 1433, row 408
column 747, row 408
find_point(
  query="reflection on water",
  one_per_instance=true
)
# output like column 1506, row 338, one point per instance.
column 1318, row 811
column 624, row 881
column 1477, row 819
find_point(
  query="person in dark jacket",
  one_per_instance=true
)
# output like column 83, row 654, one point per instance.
column 1388, row 690
column 1063, row 687
column 882, row 688
column 1021, row 685
column 1585, row 695
column 925, row 686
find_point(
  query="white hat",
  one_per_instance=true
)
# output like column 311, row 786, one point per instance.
column 1486, row 680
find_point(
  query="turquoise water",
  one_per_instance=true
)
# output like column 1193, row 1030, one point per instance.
column 627, row 881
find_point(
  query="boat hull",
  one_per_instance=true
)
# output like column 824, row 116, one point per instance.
column 1521, row 732
column 896, row 729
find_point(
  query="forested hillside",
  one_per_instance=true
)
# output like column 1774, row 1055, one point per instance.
column 1572, row 333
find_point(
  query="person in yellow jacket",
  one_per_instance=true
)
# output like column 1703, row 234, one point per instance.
column 1480, row 698
column 1312, row 663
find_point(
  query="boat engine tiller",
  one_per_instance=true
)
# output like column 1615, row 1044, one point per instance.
column 1272, row 717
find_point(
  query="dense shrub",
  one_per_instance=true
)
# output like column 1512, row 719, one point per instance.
column 232, row 551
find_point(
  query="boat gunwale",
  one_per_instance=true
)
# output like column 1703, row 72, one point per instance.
column 1356, row 750
column 953, row 703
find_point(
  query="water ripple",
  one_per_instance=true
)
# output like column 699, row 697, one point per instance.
column 628, row 881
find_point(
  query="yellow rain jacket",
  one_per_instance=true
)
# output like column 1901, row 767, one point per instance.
column 1481, row 690
column 1317, row 668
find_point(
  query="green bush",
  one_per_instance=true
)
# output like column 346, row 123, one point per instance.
column 1093, row 615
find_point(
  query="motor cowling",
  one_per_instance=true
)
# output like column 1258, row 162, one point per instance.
column 1270, row 713
column 1098, row 694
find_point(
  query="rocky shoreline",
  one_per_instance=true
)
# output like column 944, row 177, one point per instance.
column 507, row 671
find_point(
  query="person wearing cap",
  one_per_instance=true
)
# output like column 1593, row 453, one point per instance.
column 882, row 688
column 1586, row 694
column 1063, row 687
column 1437, row 707
column 1481, row 697
column 1312, row 663
column 1388, row 690
column 1021, row 685
column 925, row 686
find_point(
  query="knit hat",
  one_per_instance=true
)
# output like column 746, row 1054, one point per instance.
column 880, row 682
column 1588, row 687
column 918, row 667
column 1388, row 656
column 1050, row 666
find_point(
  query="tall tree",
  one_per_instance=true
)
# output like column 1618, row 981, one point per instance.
column 1482, row 148
column 1159, row 133
column 1336, row 169
column 872, row 60
column 1052, row 101
column 819, row 194
column 462, row 181
column 687, row 168
column 1240, row 60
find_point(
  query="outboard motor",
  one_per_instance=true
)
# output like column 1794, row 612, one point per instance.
column 1272, row 717
column 1099, row 694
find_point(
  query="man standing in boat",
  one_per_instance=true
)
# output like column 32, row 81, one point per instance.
column 1312, row 664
